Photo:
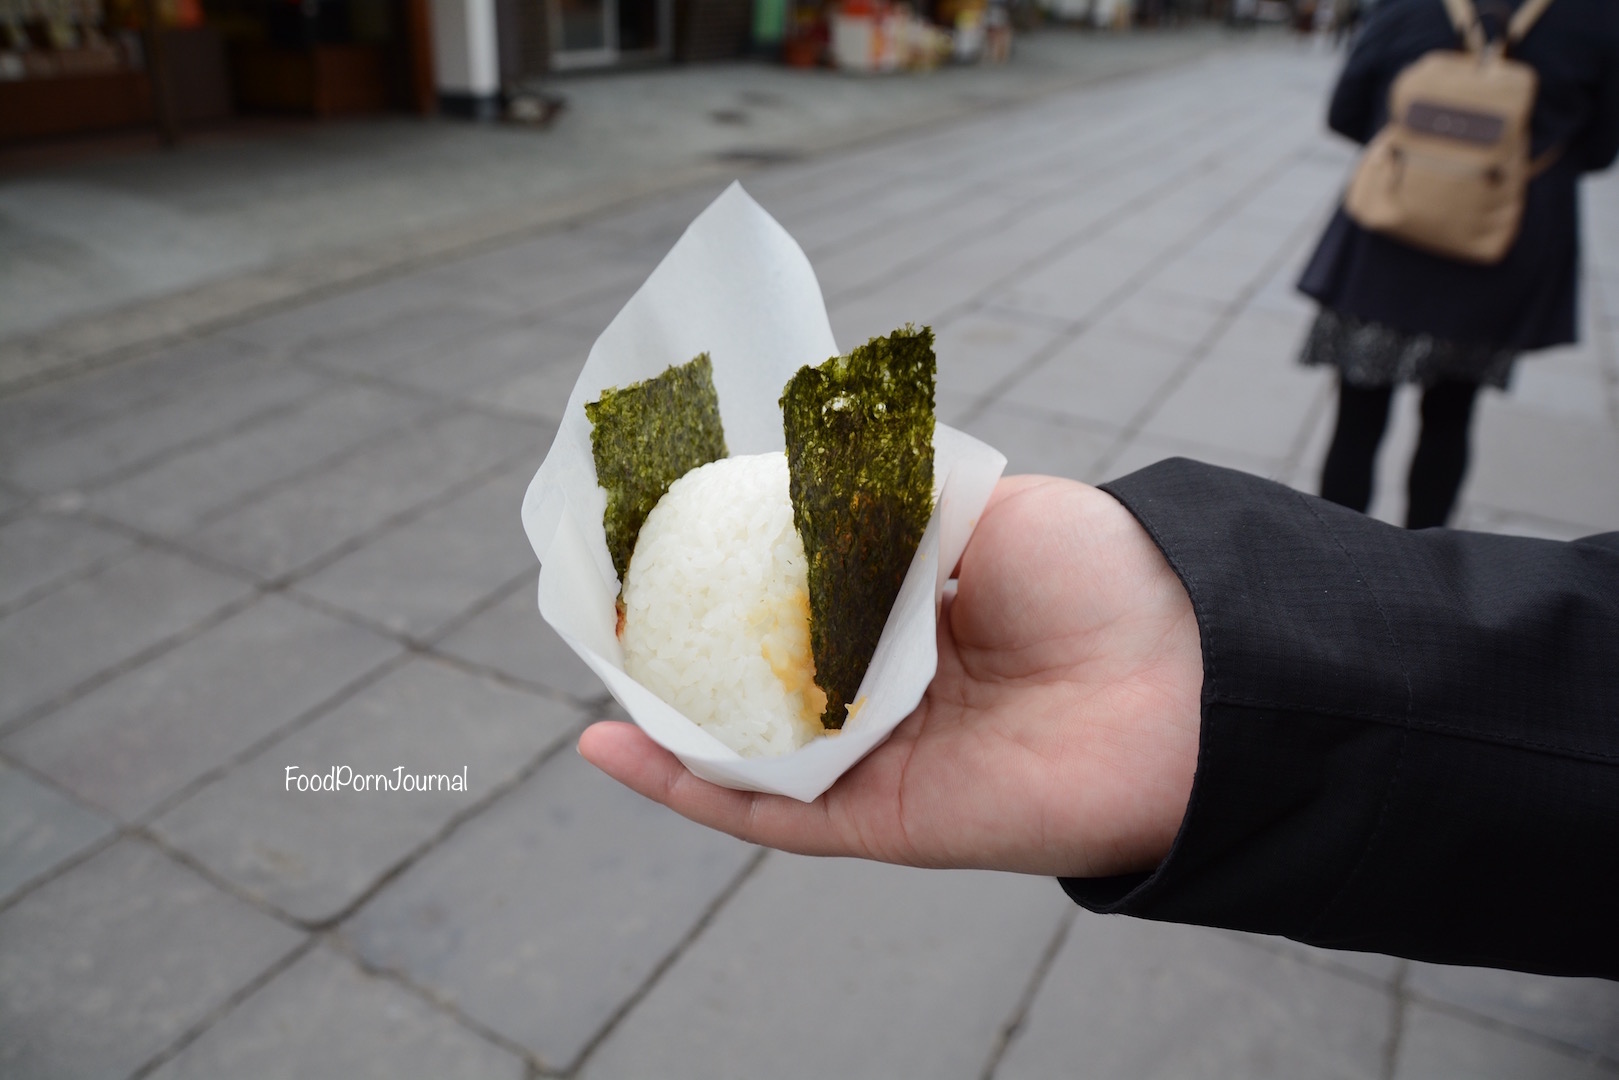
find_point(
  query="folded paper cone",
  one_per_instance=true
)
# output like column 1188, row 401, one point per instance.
column 739, row 288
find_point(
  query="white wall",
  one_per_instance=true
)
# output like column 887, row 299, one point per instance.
column 464, row 50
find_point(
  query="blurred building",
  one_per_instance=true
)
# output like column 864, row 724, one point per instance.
column 75, row 66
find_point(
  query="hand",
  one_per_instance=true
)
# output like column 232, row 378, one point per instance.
column 1058, row 737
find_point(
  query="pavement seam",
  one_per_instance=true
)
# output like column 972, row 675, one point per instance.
column 1037, row 980
column 223, row 1009
column 422, row 642
column 418, row 647
column 313, row 565
column 339, row 943
column 489, row 232
column 78, row 573
column 1397, row 1007
column 72, row 859
column 689, row 938
column 423, row 421
column 140, row 465
column 1132, row 284
column 67, row 696
column 1318, row 957
column 566, row 738
column 1086, row 232
column 1594, row 1058
column 296, row 358
column 1058, row 160
column 349, row 690
column 1200, row 352
column 563, row 217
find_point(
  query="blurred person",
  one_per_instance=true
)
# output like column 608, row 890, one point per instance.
column 1391, row 314
column 1346, row 17
column 1198, row 696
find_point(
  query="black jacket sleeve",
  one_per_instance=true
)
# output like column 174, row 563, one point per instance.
column 1410, row 740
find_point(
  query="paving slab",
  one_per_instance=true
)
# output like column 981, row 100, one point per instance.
column 898, row 248
column 982, row 349
column 495, row 353
column 347, row 1024
column 590, row 315
column 1579, row 1013
column 1144, row 450
column 299, row 523
column 402, row 340
column 1079, row 284
column 99, row 620
column 552, row 274
column 39, row 550
column 234, row 392
column 1224, row 405
column 1163, row 318
column 417, row 578
column 542, row 390
column 1041, row 443
column 106, row 965
column 12, row 501
column 1544, row 465
column 1375, row 967
column 313, row 853
column 319, row 321
column 1105, row 376
column 99, row 396
column 511, row 637
column 187, row 489
column 1140, row 1000
column 141, row 738
column 914, row 975
column 551, row 909
column 1437, row 1044
column 40, row 828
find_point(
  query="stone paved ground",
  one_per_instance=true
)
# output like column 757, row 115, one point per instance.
column 108, row 256
column 295, row 541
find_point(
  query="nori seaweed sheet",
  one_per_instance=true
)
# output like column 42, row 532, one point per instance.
column 859, row 434
column 646, row 436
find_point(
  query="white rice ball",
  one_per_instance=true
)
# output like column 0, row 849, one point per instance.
column 716, row 607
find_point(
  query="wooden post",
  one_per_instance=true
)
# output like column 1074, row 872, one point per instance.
column 157, row 71
column 419, row 55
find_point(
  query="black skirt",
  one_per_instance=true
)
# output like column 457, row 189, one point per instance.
column 1369, row 354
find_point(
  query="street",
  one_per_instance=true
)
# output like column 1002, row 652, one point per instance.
column 291, row 538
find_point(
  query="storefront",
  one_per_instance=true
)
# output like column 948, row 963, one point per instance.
column 76, row 66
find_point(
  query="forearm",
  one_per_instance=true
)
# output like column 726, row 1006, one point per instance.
column 1410, row 741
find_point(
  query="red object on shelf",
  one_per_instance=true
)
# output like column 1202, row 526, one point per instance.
column 801, row 52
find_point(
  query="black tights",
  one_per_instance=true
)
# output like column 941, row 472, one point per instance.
column 1436, row 469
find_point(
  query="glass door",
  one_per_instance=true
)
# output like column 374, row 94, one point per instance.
column 596, row 33
column 583, row 32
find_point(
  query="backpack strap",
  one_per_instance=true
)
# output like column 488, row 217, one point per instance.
column 1524, row 18
column 1465, row 19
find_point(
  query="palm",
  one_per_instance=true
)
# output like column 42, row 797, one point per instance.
column 1058, row 736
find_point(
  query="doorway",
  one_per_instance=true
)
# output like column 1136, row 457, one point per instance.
column 598, row 33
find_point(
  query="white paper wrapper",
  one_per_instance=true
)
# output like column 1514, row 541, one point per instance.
column 738, row 287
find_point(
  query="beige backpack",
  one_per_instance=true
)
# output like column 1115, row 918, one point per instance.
column 1449, row 170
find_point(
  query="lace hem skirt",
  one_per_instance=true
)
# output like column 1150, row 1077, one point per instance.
column 1369, row 354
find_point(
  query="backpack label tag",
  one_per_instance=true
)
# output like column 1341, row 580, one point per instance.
column 1449, row 122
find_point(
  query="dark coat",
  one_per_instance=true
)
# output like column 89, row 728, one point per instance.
column 1410, row 739
column 1527, row 300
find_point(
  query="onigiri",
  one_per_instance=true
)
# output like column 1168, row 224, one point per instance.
column 716, row 607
